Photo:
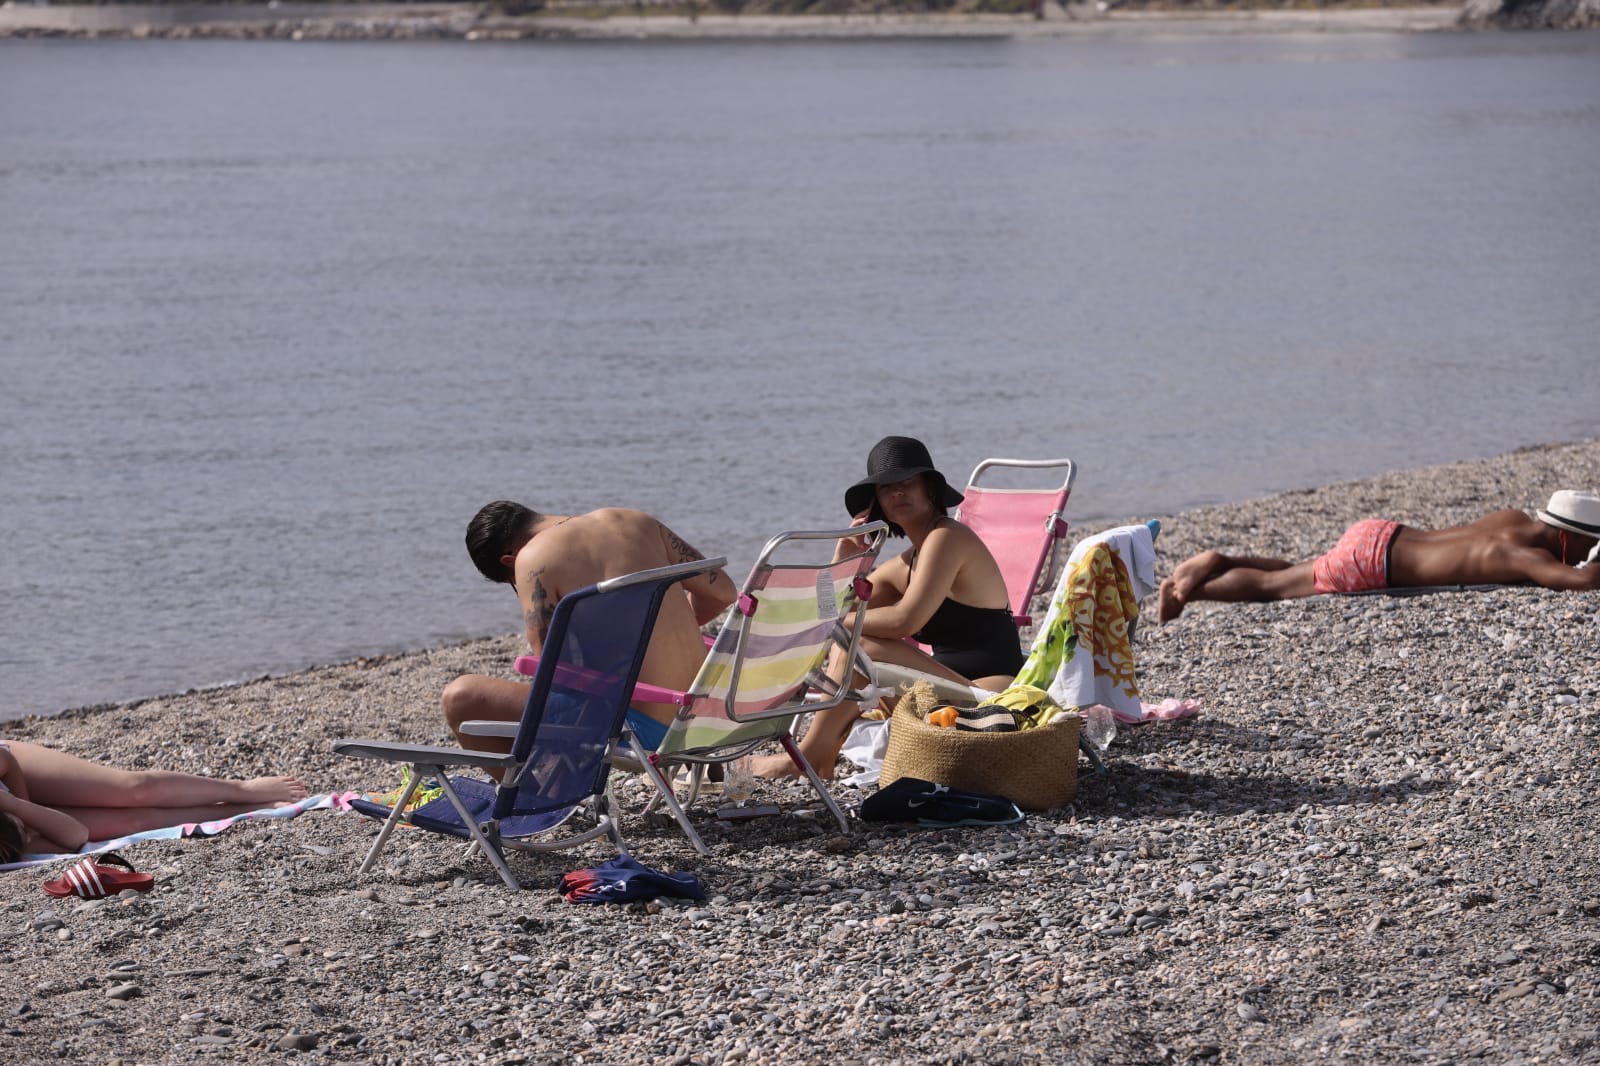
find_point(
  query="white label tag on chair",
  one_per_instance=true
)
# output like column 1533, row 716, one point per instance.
column 827, row 606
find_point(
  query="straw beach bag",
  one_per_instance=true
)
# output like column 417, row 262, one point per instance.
column 1037, row 769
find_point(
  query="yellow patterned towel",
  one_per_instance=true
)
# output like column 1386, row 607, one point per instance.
column 1082, row 654
column 1031, row 705
column 426, row 792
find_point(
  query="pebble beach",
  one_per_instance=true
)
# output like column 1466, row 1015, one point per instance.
column 1373, row 844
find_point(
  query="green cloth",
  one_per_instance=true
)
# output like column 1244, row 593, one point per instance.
column 1052, row 648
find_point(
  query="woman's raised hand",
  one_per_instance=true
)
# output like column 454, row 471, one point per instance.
column 849, row 546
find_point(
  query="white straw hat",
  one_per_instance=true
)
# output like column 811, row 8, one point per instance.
column 1576, row 512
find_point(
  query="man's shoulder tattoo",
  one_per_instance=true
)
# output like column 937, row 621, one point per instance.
column 680, row 548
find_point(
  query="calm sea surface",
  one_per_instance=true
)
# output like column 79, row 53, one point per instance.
column 275, row 318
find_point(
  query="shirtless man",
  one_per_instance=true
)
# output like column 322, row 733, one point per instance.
column 1550, row 549
column 544, row 557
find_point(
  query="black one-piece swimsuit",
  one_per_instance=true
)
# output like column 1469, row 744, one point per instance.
column 973, row 641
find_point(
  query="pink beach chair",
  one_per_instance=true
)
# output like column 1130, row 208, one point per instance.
column 1022, row 528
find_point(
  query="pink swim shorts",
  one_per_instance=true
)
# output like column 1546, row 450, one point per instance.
column 1360, row 561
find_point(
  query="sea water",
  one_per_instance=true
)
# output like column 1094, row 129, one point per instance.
column 279, row 317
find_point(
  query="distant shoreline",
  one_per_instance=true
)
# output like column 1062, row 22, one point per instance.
column 308, row 21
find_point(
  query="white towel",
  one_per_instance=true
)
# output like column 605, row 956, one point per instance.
column 1135, row 546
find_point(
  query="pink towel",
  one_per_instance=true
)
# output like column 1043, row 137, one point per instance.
column 1165, row 711
column 1169, row 709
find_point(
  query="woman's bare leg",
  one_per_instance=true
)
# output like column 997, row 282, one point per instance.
column 824, row 725
column 828, row 730
column 56, row 779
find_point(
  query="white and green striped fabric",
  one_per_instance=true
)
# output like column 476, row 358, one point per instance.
column 753, row 692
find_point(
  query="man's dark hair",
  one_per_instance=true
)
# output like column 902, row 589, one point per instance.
column 494, row 531
column 12, row 841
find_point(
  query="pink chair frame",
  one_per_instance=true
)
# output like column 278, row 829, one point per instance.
column 1022, row 528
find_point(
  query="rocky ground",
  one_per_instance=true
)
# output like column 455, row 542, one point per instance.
column 1373, row 845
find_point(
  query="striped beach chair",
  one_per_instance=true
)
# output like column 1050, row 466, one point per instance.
column 767, row 665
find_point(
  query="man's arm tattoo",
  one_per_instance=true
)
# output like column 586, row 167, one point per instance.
column 681, row 548
column 685, row 552
column 541, row 610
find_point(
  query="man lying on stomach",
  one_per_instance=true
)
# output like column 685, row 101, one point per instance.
column 1549, row 549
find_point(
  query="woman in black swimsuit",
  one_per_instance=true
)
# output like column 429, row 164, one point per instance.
column 945, row 591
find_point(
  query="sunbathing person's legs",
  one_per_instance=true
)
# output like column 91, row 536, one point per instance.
column 66, row 782
column 1211, row 575
column 827, row 731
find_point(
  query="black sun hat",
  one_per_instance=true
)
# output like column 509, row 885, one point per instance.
column 895, row 459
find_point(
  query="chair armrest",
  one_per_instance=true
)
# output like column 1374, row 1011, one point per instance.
column 895, row 674
column 656, row 694
column 433, row 755
column 489, row 727
column 528, row 665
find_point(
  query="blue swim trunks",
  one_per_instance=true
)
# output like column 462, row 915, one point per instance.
column 646, row 730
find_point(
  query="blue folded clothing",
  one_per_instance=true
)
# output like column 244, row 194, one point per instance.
column 625, row 878
column 646, row 730
column 937, row 806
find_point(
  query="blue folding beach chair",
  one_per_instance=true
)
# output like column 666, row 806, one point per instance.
column 571, row 726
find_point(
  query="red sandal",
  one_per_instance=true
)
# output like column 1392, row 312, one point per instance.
column 89, row 879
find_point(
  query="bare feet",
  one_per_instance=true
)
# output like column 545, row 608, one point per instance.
column 773, row 767
column 275, row 790
column 1186, row 577
column 1171, row 603
column 777, row 767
